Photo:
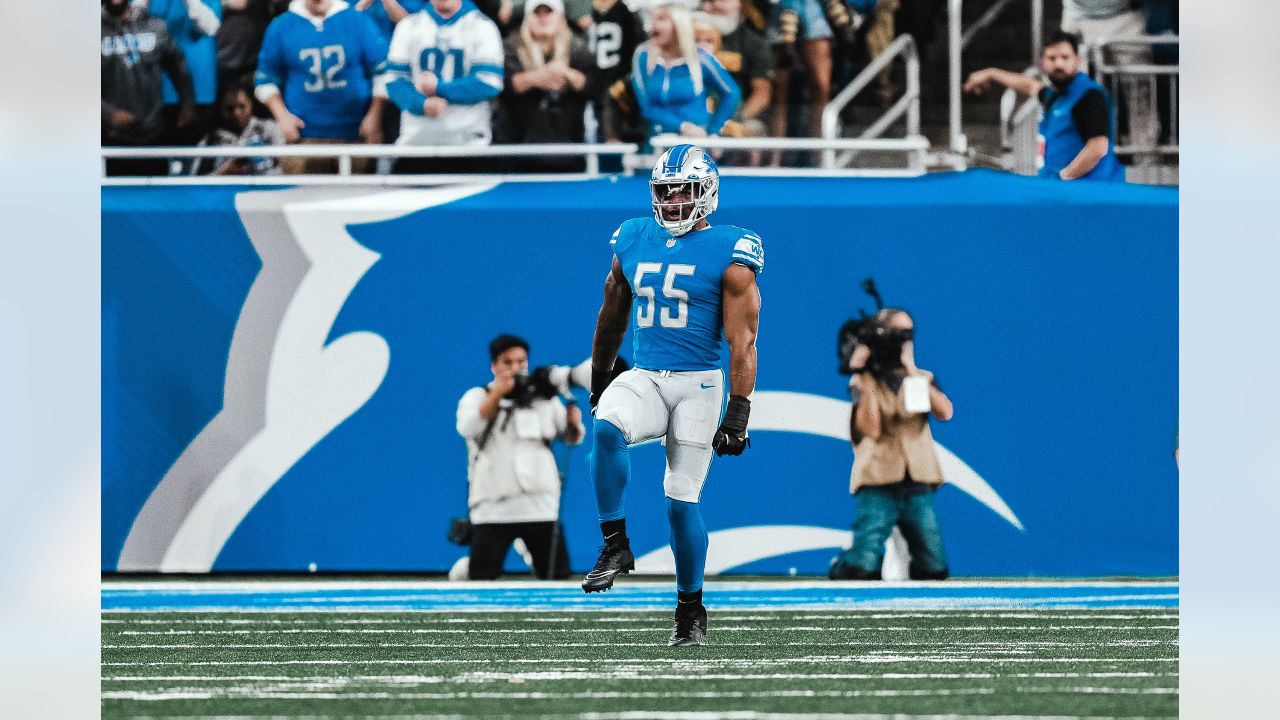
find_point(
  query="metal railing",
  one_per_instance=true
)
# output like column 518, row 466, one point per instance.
column 1020, row 130
column 912, row 143
column 1135, row 84
column 344, row 154
column 632, row 159
column 958, row 39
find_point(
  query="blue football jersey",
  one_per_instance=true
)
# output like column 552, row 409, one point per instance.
column 675, row 281
column 324, row 68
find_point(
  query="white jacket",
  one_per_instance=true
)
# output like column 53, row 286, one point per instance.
column 516, row 459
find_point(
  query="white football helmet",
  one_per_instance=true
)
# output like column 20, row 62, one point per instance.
column 690, row 169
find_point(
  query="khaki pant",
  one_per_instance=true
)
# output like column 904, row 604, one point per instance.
column 324, row 165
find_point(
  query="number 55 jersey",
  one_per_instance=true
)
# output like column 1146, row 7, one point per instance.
column 675, row 282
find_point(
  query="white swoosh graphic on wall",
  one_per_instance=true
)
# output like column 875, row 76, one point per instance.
column 287, row 386
column 829, row 417
column 781, row 411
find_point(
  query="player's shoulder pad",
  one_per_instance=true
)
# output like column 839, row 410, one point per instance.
column 748, row 248
column 626, row 234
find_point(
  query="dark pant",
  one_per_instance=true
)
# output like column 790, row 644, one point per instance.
column 909, row 505
column 491, row 541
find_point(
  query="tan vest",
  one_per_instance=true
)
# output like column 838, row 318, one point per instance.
column 905, row 444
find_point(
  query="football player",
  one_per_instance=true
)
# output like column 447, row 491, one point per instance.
column 689, row 284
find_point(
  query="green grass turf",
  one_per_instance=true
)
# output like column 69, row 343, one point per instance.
column 1115, row 663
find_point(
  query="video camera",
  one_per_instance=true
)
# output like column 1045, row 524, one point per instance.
column 548, row 381
column 543, row 383
column 885, row 342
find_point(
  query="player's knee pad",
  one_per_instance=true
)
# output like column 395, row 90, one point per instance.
column 682, row 486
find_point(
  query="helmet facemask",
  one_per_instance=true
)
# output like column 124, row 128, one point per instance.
column 679, row 205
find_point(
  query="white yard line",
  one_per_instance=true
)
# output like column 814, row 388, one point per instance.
column 642, row 661
column 257, row 693
column 635, row 629
column 593, row 616
column 986, row 646
column 618, row 675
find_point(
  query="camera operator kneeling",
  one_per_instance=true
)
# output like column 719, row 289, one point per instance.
column 895, row 468
column 514, row 484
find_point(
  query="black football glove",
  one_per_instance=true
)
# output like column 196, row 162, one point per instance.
column 731, row 437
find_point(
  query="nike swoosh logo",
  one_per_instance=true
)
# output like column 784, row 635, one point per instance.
column 705, row 386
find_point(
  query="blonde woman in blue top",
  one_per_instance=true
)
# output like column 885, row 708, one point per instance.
column 673, row 79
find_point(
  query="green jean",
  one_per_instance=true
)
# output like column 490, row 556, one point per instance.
column 909, row 505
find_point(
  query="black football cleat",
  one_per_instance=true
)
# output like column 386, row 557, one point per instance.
column 615, row 560
column 691, row 626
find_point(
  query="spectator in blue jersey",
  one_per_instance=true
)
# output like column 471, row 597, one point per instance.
column 1078, row 127
column 193, row 25
column 316, row 74
column 136, row 49
column 443, row 70
column 549, row 79
column 673, row 78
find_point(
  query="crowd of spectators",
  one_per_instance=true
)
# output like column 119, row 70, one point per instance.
column 475, row 72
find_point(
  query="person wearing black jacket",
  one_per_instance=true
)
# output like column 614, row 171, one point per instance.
column 548, row 80
column 136, row 49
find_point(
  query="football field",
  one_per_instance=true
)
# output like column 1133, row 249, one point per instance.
column 776, row 649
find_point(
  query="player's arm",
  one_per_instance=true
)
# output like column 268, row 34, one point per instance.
column 611, row 327
column 741, row 316
column 741, row 323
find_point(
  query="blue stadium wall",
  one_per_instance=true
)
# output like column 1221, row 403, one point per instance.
column 280, row 368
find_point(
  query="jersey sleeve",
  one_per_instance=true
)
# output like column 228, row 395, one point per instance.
column 396, row 83
column 623, row 237
column 748, row 249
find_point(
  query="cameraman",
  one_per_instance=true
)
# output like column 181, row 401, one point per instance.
column 514, row 484
column 895, row 467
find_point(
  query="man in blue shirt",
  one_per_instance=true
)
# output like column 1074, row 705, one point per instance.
column 692, row 284
column 316, row 74
column 1078, row 127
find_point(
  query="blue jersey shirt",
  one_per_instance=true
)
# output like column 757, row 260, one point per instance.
column 675, row 281
column 668, row 96
column 325, row 70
